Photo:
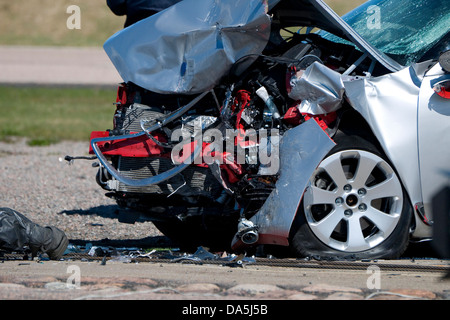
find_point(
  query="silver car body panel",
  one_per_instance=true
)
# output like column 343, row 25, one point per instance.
column 319, row 89
column 190, row 46
column 434, row 138
column 301, row 150
column 397, row 108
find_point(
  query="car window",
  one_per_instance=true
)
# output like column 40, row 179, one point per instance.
column 404, row 30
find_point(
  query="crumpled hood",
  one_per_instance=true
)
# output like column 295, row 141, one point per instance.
column 188, row 47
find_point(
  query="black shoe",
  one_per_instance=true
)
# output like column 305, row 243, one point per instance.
column 17, row 231
column 57, row 252
column 49, row 240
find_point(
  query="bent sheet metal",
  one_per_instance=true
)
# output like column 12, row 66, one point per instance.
column 320, row 89
column 190, row 46
column 301, row 150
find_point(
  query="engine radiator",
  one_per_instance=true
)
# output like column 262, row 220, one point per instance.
column 194, row 181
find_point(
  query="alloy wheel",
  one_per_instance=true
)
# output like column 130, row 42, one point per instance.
column 353, row 201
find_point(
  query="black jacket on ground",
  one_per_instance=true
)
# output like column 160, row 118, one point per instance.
column 17, row 231
column 136, row 10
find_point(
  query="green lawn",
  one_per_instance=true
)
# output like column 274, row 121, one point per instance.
column 44, row 22
column 48, row 115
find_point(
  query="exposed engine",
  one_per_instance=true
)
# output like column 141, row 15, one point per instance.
column 254, row 97
column 261, row 123
column 262, row 97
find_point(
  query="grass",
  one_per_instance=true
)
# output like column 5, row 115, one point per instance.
column 48, row 115
column 344, row 6
column 44, row 22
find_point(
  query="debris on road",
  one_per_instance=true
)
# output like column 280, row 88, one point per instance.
column 132, row 254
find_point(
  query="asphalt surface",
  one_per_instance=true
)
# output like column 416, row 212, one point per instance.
column 117, row 280
column 56, row 66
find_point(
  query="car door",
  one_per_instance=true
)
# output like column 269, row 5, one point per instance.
column 433, row 138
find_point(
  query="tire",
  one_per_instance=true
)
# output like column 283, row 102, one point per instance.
column 344, row 215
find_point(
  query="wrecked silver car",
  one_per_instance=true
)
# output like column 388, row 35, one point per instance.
column 245, row 123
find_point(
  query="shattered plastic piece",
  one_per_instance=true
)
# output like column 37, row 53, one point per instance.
column 236, row 262
column 201, row 254
column 71, row 248
column 292, row 116
column 96, row 252
column 139, row 254
column 117, row 254
column 320, row 89
column 122, row 258
column 239, row 261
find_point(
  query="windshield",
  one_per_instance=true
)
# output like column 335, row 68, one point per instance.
column 404, row 30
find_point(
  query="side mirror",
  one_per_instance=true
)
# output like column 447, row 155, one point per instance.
column 444, row 60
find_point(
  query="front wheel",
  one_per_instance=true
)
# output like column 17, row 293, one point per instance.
column 354, row 206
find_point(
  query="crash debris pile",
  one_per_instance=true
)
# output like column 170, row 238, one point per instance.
column 256, row 113
column 171, row 255
column 251, row 107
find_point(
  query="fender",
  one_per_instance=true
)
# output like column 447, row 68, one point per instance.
column 301, row 150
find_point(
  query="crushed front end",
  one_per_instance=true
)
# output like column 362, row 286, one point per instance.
column 218, row 146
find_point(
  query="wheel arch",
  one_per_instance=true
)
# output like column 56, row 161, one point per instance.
column 353, row 126
column 352, row 122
